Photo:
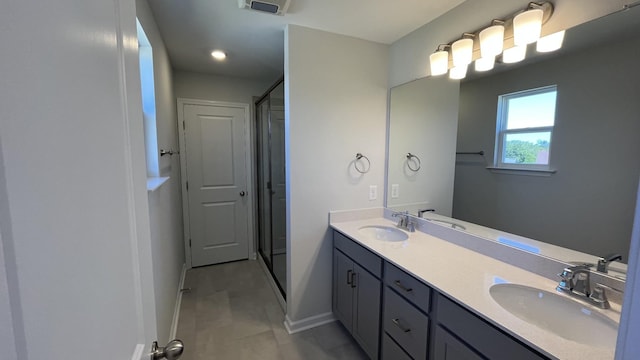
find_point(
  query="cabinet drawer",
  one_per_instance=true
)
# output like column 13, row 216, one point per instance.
column 481, row 336
column 391, row 350
column 364, row 257
column 409, row 287
column 405, row 324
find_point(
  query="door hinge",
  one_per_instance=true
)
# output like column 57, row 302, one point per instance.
column 183, row 126
column 189, row 242
column 187, row 186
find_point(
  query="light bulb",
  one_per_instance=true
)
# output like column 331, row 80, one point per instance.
column 551, row 42
column 462, row 52
column 527, row 26
column 439, row 62
column 491, row 41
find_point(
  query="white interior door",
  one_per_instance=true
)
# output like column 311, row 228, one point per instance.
column 216, row 175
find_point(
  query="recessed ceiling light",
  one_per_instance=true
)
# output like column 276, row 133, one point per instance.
column 218, row 54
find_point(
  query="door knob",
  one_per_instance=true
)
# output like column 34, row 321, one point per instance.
column 242, row 193
column 172, row 351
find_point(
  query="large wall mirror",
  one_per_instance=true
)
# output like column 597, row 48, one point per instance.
column 587, row 205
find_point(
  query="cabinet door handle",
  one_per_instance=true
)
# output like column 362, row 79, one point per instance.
column 396, row 322
column 405, row 289
column 354, row 276
column 349, row 277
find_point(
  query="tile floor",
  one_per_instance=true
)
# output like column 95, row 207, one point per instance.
column 231, row 313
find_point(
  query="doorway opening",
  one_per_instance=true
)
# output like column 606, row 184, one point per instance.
column 272, row 200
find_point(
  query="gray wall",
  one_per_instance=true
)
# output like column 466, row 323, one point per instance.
column 588, row 205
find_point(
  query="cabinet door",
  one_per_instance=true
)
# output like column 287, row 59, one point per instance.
column 343, row 289
column 366, row 321
column 447, row 347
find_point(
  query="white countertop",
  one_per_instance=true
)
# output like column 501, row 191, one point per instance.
column 466, row 276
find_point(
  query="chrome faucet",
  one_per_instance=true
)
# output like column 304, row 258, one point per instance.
column 404, row 221
column 576, row 281
column 603, row 262
column 421, row 212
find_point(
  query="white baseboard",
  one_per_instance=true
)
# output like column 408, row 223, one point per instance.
column 308, row 323
column 176, row 310
column 273, row 284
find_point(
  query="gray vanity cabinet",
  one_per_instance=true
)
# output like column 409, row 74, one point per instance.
column 448, row 347
column 461, row 335
column 357, row 292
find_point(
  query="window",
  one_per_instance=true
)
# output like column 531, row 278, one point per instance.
column 525, row 128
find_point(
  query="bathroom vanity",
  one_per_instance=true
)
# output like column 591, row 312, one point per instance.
column 426, row 298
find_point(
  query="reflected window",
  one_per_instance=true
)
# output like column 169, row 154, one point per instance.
column 525, row 128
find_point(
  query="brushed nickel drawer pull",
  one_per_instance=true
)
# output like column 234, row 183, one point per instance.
column 405, row 289
column 396, row 322
column 349, row 277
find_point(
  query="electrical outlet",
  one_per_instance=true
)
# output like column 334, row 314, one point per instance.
column 395, row 191
column 373, row 192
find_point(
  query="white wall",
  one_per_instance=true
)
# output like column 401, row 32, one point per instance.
column 336, row 95
column 73, row 153
column 192, row 85
column 410, row 55
column 165, row 204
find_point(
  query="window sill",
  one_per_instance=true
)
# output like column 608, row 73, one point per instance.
column 521, row 171
column 154, row 183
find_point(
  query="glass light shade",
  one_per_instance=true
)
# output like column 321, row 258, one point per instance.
column 218, row 54
column 458, row 72
column 462, row 52
column 527, row 26
column 491, row 41
column 551, row 42
column 439, row 62
column 485, row 64
column 514, row 54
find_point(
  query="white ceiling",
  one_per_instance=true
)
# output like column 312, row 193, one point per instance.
column 254, row 41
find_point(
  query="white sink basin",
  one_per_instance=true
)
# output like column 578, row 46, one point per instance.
column 384, row 233
column 557, row 314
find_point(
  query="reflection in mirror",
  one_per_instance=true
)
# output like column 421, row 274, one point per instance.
column 588, row 204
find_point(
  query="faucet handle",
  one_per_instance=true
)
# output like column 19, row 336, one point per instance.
column 599, row 296
column 565, row 283
column 603, row 262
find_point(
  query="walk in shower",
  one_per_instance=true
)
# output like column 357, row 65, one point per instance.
column 272, row 204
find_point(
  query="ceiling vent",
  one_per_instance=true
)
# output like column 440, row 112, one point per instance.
column 276, row 7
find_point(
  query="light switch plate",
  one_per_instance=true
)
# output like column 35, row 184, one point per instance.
column 373, row 192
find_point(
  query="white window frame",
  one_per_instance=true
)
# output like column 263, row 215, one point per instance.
column 502, row 132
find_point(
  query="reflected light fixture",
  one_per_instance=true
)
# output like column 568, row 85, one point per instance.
column 218, row 55
column 458, row 72
column 551, row 42
column 514, row 54
column 485, row 64
column 462, row 50
column 527, row 25
column 439, row 61
column 492, row 39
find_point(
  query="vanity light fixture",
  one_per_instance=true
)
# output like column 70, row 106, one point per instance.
column 439, row 60
column 492, row 39
column 218, row 55
column 514, row 54
column 517, row 32
column 527, row 25
column 551, row 42
column 462, row 50
column 485, row 63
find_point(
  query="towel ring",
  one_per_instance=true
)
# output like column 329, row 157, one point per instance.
column 359, row 157
column 410, row 156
